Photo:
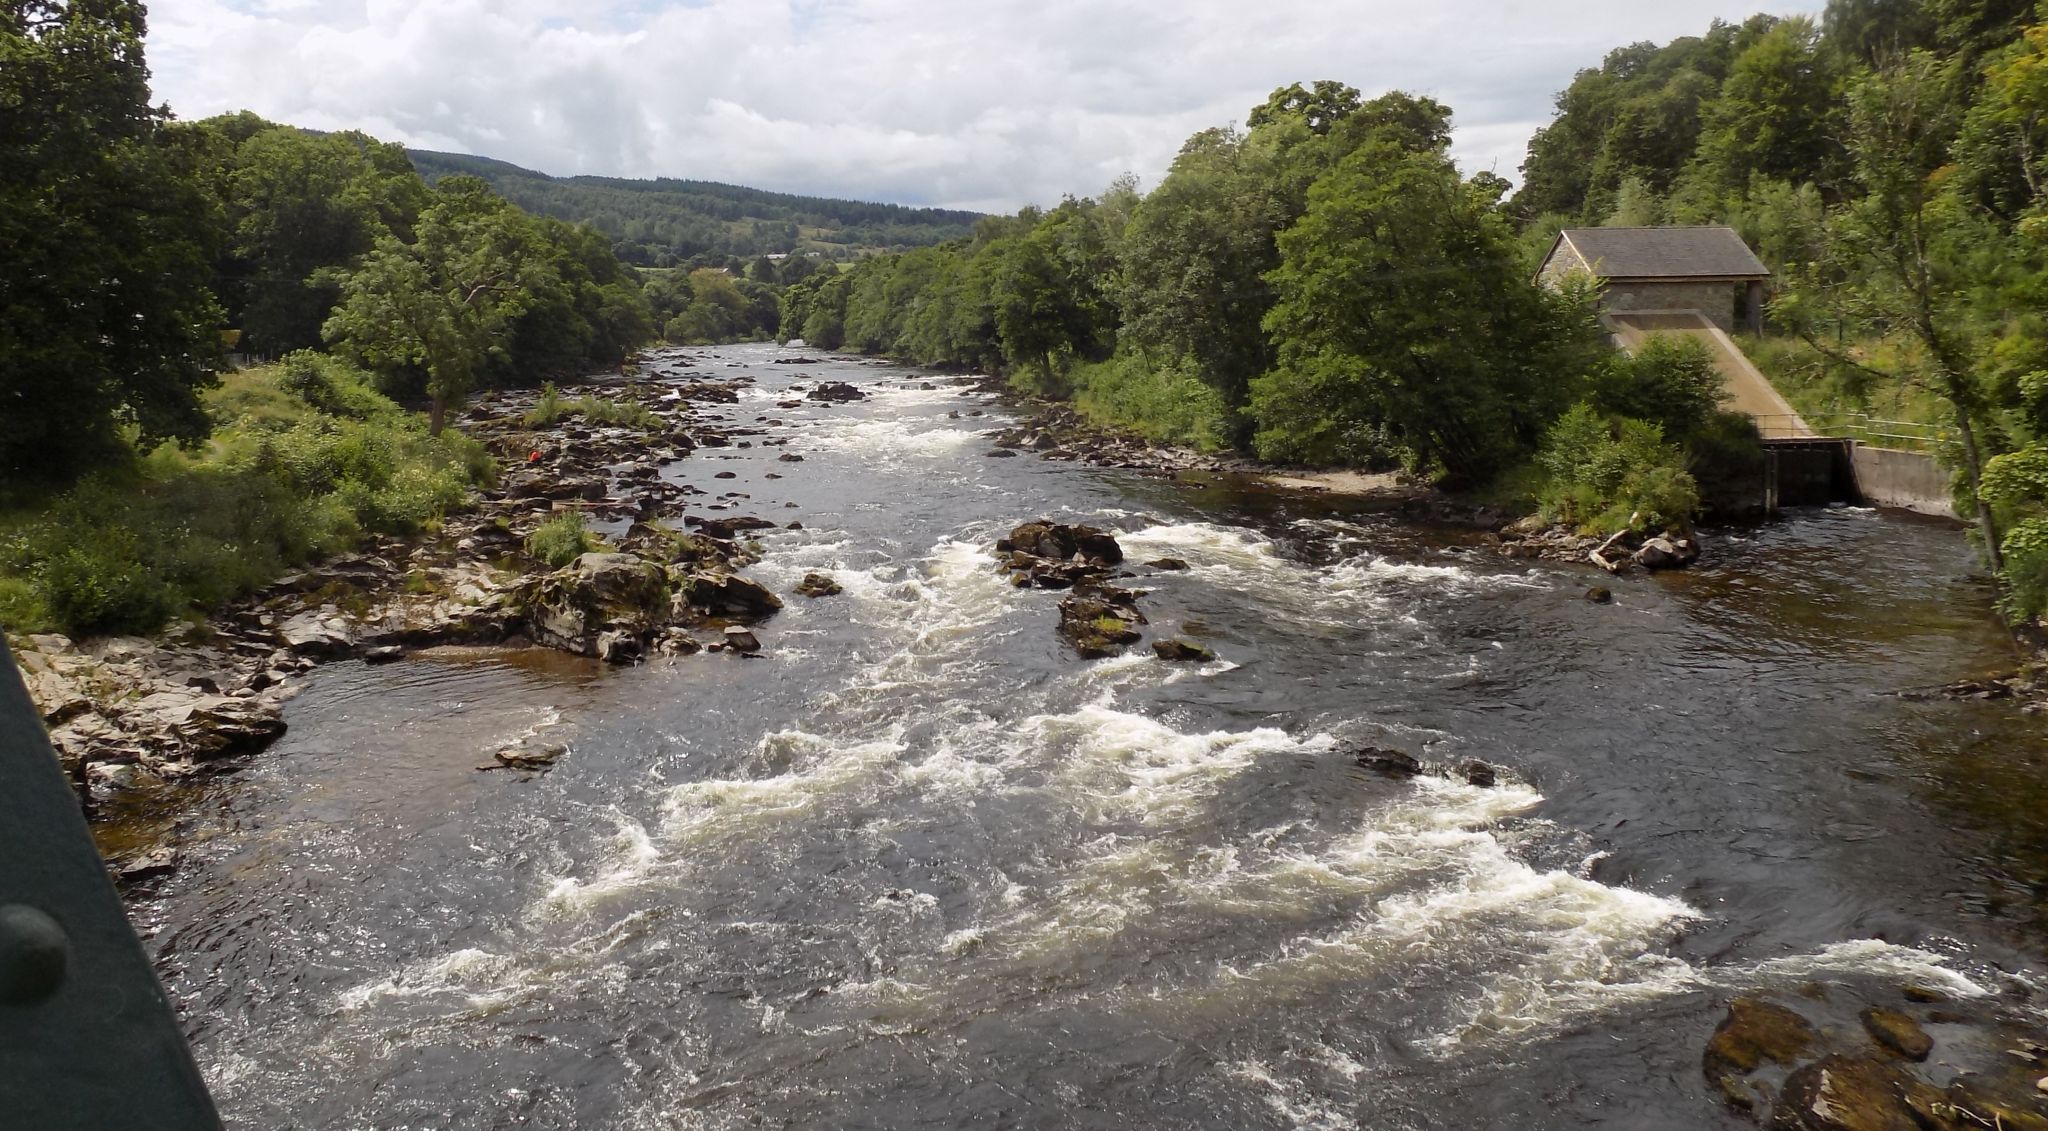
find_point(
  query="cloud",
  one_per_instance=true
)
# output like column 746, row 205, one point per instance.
column 984, row 104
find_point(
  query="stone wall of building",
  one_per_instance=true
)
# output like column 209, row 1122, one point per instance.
column 1715, row 300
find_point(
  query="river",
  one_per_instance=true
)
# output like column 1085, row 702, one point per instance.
column 919, row 867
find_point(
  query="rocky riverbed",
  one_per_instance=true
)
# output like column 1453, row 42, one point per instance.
column 130, row 715
column 1164, row 789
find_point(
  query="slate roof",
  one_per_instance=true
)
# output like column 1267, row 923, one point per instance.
column 1664, row 253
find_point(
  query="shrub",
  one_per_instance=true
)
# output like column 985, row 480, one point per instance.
column 1165, row 403
column 2025, row 548
column 561, row 540
column 594, row 410
column 548, row 409
column 309, row 459
column 1671, row 382
column 1605, row 474
column 628, row 414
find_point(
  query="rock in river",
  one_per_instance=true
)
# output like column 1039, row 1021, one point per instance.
column 722, row 594
column 837, row 392
column 1668, row 553
column 1898, row 1033
column 1100, row 620
column 818, row 585
column 1180, row 648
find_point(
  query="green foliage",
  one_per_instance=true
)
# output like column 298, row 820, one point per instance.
column 1605, row 474
column 106, row 322
column 1671, row 382
column 444, row 303
column 561, row 540
column 549, row 408
column 709, row 306
column 552, row 407
column 1405, row 323
column 1165, row 402
column 297, row 205
column 306, row 459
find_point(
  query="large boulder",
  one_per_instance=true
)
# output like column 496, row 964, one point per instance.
column 1842, row 1093
column 1100, row 620
column 598, row 593
column 1059, row 542
column 724, row 595
column 1897, row 1032
column 1665, row 552
column 321, row 632
column 836, row 392
column 1182, row 650
column 1756, row 1031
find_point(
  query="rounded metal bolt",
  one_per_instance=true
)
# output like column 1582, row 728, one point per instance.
column 34, row 955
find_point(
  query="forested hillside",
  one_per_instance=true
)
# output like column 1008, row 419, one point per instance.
column 666, row 222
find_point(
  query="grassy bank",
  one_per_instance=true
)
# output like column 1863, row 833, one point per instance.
column 305, row 460
column 1845, row 399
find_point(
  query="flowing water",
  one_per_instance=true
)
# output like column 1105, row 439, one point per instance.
column 920, row 867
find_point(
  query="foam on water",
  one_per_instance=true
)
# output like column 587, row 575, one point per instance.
column 1418, row 885
column 888, row 439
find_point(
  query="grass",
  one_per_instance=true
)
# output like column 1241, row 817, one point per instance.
column 552, row 407
column 561, row 540
column 306, row 459
column 1847, row 400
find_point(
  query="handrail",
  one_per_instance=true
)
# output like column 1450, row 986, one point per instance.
column 1908, row 435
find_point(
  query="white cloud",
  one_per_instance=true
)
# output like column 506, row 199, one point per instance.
column 974, row 103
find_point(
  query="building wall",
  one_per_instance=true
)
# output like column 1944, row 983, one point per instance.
column 1563, row 261
column 1715, row 300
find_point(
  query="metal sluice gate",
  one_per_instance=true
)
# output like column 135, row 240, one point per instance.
column 88, row 1041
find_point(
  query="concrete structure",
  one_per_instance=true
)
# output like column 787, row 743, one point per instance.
column 1645, row 270
column 1910, row 481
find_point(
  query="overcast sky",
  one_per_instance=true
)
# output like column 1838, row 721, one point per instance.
column 983, row 104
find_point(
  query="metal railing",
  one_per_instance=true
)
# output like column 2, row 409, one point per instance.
column 1902, row 435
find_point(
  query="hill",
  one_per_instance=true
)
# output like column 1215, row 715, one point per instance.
column 663, row 222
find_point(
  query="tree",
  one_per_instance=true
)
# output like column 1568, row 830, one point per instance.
column 1407, row 326
column 1775, row 111
column 444, row 303
column 1320, row 109
column 298, row 203
column 106, row 320
column 1898, row 255
column 1869, row 31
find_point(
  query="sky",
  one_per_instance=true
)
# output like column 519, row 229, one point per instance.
column 978, row 104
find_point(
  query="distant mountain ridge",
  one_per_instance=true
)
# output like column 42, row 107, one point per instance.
column 665, row 221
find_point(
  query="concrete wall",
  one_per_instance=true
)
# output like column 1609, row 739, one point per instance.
column 1906, row 480
column 1715, row 300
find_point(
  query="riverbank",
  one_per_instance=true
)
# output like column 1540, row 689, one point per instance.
column 133, row 716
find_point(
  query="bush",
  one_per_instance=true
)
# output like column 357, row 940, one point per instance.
column 594, row 410
column 561, row 540
column 1605, row 474
column 1671, row 382
column 305, row 460
column 2025, row 548
column 1164, row 403
column 628, row 414
column 548, row 409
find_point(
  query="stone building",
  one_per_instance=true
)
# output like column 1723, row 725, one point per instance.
column 1642, row 270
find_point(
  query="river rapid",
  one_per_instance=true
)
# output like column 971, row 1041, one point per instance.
column 919, row 867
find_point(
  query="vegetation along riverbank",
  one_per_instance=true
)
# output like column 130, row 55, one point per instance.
column 270, row 398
